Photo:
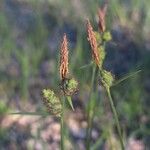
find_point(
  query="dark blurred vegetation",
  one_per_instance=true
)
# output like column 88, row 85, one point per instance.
column 30, row 36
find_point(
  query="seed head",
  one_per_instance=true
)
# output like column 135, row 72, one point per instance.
column 52, row 102
column 92, row 39
column 107, row 78
column 64, row 58
column 69, row 86
column 101, row 15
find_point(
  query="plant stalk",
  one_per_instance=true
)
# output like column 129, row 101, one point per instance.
column 90, row 112
column 116, row 118
column 62, row 124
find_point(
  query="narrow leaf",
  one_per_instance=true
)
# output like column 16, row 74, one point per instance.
column 30, row 113
column 130, row 75
column 87, row 65
column 70, row 102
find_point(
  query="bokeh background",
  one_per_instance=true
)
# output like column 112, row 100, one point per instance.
column 30, row 35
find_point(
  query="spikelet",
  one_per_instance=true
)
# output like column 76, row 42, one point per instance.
column 101, row 15
column 64, row 58
column 93, row 42
column 107, row 78
column 106, row 36
column 52, row 102
column 102, row 56
column 69, row 86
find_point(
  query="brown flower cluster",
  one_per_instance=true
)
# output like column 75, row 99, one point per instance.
column 64, row 58
column 93, row 43
column 101, row 15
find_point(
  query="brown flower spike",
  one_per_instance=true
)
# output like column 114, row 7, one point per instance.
column 93, row 43
column 64, row 58
column 101, row 15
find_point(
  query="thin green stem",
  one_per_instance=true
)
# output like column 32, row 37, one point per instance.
column 90, row 111
column 62, row 124
column 116, row 117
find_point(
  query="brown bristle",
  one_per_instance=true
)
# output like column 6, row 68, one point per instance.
column 101, row 15
column 93, row 42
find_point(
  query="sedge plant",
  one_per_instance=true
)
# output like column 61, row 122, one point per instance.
column 68, row 86
column 97, row 42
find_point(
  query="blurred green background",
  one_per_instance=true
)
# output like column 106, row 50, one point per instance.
column 30, row 35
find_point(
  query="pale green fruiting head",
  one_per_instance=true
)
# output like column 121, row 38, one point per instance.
column 107, row 36
column 102, row 55
column 69, row 86
column 98, row 37
column 106, row 78
column 72, row 84
column 52, row 102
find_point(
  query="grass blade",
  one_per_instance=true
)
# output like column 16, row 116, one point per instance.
column 87, row 65
column 30, row 113
column 126, row 77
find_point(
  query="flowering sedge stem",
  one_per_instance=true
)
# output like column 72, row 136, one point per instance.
column 116, row 117
column 62, row 124
column 90, row 112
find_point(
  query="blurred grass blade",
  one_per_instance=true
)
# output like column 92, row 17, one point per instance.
column 87, row 65
column 99, row 141
column 30, row 113
column 126, row 77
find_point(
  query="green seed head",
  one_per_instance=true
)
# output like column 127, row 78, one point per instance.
column 102, row 55
column 98, row 37
column 52, row 102
column 106, row 78
column 107, row 36
column 69, row 86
